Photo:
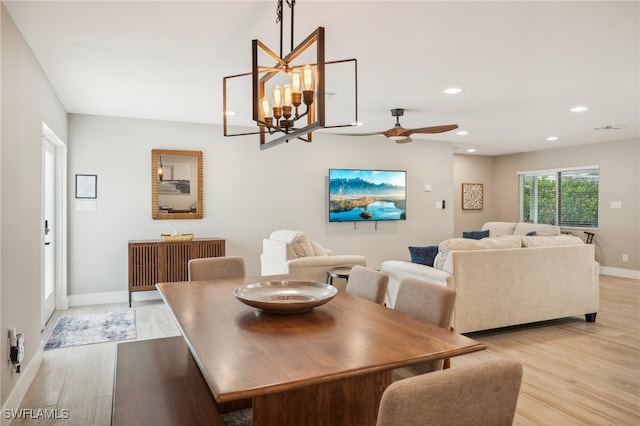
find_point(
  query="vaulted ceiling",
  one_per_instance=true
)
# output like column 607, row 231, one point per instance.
column 522, row 65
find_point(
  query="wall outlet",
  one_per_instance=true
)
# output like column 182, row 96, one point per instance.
column 625, row 257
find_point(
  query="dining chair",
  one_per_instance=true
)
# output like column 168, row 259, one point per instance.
column 368, row 283
column 484, row 393
column 212, row 268
column 431, row 303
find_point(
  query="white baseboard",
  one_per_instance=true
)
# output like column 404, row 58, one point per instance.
column 619, row 272
column 27, row 374
column 111, row 297
column 62, row 302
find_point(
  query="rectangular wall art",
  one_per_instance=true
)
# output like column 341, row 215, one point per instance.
column 472, row 196
column 86, row 186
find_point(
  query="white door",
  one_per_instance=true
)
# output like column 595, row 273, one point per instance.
column 49, row 232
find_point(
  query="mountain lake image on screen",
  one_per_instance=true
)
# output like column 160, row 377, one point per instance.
column 367, row 195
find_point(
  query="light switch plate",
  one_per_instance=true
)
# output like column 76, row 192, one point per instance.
column 86, row 205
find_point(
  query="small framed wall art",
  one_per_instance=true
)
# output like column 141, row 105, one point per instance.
column 86, row 186
column 472, row 196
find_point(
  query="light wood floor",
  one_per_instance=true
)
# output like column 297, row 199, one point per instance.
column 575, row 373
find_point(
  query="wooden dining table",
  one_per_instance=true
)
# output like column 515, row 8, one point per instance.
column 328, row 366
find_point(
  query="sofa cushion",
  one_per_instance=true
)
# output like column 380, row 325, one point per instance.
column 318, row 250
column 458, row 244
column 423, row 255
column 498, row 229
column 556, row 240
column 302, row 247
column 523, row 228
column 476, row 235
column 507, row 241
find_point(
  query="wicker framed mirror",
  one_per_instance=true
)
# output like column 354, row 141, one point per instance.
column 176, row 184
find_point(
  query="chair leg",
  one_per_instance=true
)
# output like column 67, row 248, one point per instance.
column 447, row 361
column 589, row 237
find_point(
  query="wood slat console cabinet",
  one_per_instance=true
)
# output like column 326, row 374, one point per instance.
column 157, row 261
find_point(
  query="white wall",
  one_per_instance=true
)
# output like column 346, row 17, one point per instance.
column 473, row 169
column 27, row 101
column 248, row 194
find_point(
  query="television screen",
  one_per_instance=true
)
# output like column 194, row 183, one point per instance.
column 367, row 195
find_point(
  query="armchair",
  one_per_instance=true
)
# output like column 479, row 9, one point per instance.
column 292, row 252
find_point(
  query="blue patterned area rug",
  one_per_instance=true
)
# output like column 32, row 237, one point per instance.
column 92, row 328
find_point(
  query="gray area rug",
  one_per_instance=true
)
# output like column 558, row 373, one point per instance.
column 92, row 328
column 238, row 418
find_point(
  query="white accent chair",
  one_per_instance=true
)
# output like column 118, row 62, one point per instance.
column 292, row 252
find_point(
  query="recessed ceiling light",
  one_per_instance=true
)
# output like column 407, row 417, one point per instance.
column 357, row 123
column 552, row 138
column 579, row 108
column 229, row 113
column 462, row 133
column 471, row 150
column 453, row 90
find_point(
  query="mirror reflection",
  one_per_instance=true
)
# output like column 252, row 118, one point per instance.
column 176, row 184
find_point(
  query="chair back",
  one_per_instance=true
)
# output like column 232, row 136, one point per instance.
column 484, row 393
column 212, row 268
column 429, row 302
column 368, row 283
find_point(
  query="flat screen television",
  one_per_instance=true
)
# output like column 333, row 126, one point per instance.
column 367, row 195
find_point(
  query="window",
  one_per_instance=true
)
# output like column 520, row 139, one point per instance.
column 567, row 198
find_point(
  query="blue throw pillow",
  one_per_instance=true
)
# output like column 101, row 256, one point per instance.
column 423, row 255
column 476, row 235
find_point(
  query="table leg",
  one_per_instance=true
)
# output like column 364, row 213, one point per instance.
column 347, row 402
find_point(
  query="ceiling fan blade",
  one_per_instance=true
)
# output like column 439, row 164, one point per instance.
column 432, row 129
column 405, row 140
column 395, row 132
column 359, row 134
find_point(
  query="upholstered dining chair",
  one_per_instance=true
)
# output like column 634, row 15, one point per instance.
column 429, row 302
column 368, row 283
column 212, row 268
column 484, row 393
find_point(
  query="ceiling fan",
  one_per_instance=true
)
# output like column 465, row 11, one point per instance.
column 400, row 134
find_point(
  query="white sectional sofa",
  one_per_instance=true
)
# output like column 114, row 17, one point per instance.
column 510, row 279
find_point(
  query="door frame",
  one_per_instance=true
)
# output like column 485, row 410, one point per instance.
column 60, row 225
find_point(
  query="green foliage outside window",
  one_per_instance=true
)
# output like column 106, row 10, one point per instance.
column 573, row 202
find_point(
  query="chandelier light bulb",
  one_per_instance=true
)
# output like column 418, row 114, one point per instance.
column 286, row 92
column 296, row 80
column 277, row 97
column 266, row 108
column 308, row 78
